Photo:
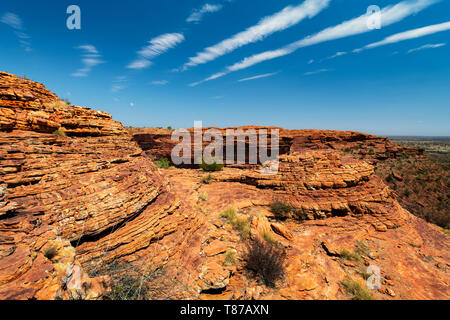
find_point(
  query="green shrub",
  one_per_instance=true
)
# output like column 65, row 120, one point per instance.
column 347, row 255
column 266, row 260
column 240, row 224
column 230, row 258
column 207, row 179
column 364, row 274
column 348, row 150
column 163, row 163
column 60, row 133
column 211, row 165
column 281, row 210
column 203, row 197
column 361, row 248
column 267, row 235
column 356, row 291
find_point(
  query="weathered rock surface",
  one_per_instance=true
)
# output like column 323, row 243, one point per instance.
column 92, row 188
column 69, row 204
column 159, row 143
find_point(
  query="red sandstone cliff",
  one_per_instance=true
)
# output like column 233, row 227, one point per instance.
column 75, row 202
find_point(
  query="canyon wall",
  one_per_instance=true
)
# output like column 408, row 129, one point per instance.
column 78, row 192
column 71, row 178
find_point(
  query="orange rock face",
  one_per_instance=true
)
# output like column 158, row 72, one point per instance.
column 69, row 203
column 79, row 189
column 159, row 143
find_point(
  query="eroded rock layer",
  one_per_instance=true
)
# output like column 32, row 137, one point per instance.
column 159, row 143
column 77, row 193
column 69, row 190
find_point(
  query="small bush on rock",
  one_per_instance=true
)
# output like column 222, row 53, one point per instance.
column 60, row 133
column 266, row 260
column 211, row 165
column 239, row 223
column 163, row 163
column 207, row 179
column 356, row 291
column 281, row 210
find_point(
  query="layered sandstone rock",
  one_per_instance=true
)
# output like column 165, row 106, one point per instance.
column 159, row 143
column 71, row 203
column 81, row 189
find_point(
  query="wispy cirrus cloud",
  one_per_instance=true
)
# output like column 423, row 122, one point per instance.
column 119, row 84
column 156, row 47
column 316, row 72
column 282, row 20
column 358, row 25
column 160, row 82
column 197, row 14
column 337, row 54
column 90, row 58
column 266, row 75
column 427, row 46
column 407, row 35
column 15, row 22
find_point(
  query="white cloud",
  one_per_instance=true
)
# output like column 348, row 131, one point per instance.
column 90, row 49
column 282, row 20
column 12, row 20
column 131, row 104
column 259, row 76
column 139, row 64
column 316, row 72
column 117, row 88
column 338, row 54
column 389, row 14
column 160, row 82
column 427, row 46
column 119, row 84
column 156, row 47
column 198, row 14
column 15, row 22
column 90, row 59
column 407, row 35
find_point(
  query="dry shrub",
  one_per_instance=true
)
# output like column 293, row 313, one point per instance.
column 131, row 283
column 266, row 260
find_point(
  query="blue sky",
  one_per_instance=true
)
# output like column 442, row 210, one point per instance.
column 295, row 64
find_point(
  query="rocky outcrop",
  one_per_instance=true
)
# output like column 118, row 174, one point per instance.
column 159, row 143
column 87, row 188
column 77, row 193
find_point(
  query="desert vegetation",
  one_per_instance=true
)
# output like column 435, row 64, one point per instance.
column 422, row 185
column 59, row 132
column 356, row 291
column 128, row 282
column 164, row 163
column 207, row 179
column 230, row 258
column 283, row 210
column 211, row 165
column 240, row 224
column 266, row 260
